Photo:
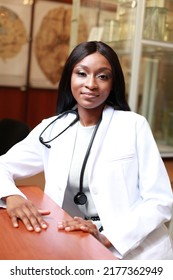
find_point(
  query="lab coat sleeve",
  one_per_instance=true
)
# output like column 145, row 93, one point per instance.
column 23, row 160
column 154, row 205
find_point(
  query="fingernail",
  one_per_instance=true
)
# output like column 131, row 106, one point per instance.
column 60, row 226
column 30, row 228
column 37, row 229
column 67, row 228
column 44, row 226
column 16, row 225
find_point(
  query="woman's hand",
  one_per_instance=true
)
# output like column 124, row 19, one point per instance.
column 78, row 223
column 20, row 208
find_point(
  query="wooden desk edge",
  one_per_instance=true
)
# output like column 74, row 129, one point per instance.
column 37, row 195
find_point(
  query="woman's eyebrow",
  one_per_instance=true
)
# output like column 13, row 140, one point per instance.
column 99, row 69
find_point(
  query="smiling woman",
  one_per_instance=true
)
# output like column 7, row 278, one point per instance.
column 91, row 83
column 96, row 167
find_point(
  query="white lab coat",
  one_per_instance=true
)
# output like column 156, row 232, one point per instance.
column 127, row 179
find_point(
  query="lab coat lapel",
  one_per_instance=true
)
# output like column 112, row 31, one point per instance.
column 99, row 138
column 61, row 156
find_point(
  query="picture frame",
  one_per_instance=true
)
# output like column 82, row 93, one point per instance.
column 50, row 42
column 15, row 23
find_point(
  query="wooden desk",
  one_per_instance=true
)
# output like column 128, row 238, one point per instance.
column 50, row 244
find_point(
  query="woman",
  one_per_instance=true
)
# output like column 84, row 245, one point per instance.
column 100, row 160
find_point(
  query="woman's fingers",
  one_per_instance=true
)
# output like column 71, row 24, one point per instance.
column 77, row 223
column 20, row 208
column 43, row 212
column 31, row 218
column 15, row 221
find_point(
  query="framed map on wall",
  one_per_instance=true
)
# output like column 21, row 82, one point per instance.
column 15, row 19
column 50, row 42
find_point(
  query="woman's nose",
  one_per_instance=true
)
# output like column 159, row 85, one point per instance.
column 90, row 83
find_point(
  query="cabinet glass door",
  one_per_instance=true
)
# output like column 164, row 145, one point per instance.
column 141, row 32
column 155, row 97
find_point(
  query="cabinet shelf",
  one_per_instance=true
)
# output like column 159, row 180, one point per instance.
column 157, row 44
column 137, row 33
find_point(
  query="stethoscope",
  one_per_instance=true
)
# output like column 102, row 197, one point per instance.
column 80, row 198
column 46, row 143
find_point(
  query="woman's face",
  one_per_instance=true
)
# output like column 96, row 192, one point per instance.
column 91, row 81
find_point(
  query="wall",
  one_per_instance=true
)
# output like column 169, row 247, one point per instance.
column 30, row 106
column 37, row 180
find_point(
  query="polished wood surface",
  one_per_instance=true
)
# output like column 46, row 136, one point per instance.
column 169, row 166
column 50, row 244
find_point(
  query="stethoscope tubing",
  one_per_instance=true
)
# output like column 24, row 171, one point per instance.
column 80, row 198
column 87, row 156
column 46, row 143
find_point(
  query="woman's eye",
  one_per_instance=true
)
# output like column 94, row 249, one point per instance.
column 81, row 74
column 103, row 77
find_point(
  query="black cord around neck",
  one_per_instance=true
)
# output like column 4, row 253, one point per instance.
column 80, row 198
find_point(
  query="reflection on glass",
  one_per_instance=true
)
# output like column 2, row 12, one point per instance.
column 111, row 30
column 127, row 25
column 169, row 27
column 155, row 23
column 170, row 129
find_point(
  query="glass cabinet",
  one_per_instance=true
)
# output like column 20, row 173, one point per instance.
column 141, row 32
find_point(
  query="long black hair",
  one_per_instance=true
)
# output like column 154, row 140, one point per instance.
column 116, row 98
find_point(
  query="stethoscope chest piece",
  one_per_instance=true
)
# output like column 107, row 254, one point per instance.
column 80, row 198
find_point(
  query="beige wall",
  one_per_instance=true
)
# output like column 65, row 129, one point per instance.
column 37, row 180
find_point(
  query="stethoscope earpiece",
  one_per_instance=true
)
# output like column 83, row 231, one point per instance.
column 46, row 143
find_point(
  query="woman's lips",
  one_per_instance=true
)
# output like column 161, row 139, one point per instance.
column 89, row 95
